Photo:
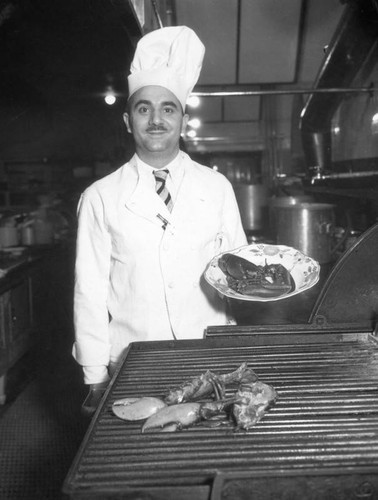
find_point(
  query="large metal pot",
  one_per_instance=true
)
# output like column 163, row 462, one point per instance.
column 309, row 227
column 277, row 202
column 253, row 203
column 9, row 236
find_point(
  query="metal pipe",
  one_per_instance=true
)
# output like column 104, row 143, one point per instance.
column 170, row 13
column 284, row 92
column 343, row 175
column 156, row 12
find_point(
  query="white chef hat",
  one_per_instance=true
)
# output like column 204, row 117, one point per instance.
column 170, row 57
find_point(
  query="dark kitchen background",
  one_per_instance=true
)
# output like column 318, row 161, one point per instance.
column 287, row 110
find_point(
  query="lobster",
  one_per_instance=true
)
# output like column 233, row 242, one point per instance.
column 179, row 416
column 246, row 278
column 203, row 385
column 253, row 399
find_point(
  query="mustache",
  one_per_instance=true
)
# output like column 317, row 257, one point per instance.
column 156, row 128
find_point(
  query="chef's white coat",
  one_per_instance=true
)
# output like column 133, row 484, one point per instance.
column 134, row 280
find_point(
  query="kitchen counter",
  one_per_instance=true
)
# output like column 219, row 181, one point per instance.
column 12, row 261
column 15, row 259
column 35, row 284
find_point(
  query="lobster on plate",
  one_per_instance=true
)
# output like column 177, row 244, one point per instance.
column 246, row 278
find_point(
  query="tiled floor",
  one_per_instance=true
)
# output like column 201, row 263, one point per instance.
column 41, row 426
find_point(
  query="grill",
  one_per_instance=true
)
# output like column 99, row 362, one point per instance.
column 319, row 441
column 325, row 422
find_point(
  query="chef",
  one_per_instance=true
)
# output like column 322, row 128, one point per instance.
column 147, row 231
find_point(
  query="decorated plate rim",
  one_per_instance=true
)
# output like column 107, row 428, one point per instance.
column 272, row 254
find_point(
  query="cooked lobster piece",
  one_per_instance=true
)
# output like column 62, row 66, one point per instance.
column 244, row 277
column 252, row 400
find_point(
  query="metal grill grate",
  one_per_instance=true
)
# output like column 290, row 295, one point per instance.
column 326, row 415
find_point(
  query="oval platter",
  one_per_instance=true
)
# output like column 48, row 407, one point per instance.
column 303, row 269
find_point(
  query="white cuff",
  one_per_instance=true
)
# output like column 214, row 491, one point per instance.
column 95, row 374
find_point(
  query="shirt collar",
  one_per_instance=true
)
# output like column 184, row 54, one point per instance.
column 175, row 167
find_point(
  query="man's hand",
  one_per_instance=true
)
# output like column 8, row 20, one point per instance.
column 93, row 398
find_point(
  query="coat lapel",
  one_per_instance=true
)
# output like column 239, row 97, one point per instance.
column 191, row 194
column 138, row 198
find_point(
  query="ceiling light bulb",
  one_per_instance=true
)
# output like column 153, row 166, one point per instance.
column 374, row 124
column 191, row 133
column 194, row 122
column 110, row 99
column 194, row 101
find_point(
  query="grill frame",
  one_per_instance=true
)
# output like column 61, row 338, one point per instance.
column 208, row 463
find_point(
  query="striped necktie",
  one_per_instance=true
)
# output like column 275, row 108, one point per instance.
column 162, row 191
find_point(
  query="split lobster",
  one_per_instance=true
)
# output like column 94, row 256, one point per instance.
column 203, row 385
column 176, row 417
column 184, row 406
column 253, row 398
column 270, row 280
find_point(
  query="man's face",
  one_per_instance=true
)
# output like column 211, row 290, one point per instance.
column 156, row 120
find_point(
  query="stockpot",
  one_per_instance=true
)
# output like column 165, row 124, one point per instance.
column 309, row 227
column 253, row 203
column 277, row 202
